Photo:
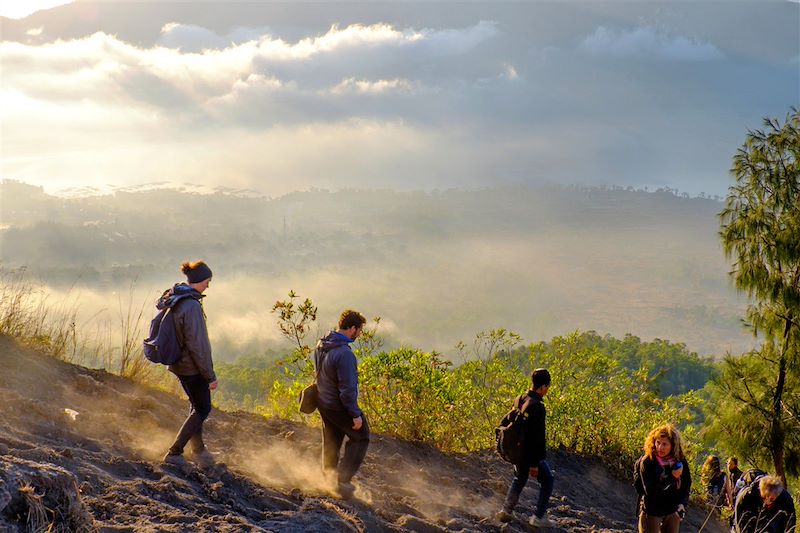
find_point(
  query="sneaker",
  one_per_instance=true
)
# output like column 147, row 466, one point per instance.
column 176, row 460
column 503, row 516
column 204, row 459
column 536, row 522
column 346, row 490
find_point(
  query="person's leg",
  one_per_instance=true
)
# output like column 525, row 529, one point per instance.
column 332, row 438
column 648, row 523
column 545, row 479
column 671, row 523
column 354, row 450
column 521, row 473
column 199, row 395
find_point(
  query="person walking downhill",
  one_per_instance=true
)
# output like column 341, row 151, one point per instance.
column 194, row 369
column 533, row 462
column 666, row 482
column 337, row 383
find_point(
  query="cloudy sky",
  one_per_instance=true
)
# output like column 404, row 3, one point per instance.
column 285, row 96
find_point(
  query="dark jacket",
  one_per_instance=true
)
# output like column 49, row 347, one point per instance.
column 751, row 515
column 337, row 374
column 715, row 487
column 190, row 326
column 661, row 492
column 534, row 439
column 730, row 486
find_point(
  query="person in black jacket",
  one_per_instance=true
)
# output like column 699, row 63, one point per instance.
column 765, row 507
column 194, row 369
column 533, row 461
column 666, row 482
column 337, row 383
column 713, row 480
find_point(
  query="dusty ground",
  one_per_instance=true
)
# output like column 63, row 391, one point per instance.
column 81, row 449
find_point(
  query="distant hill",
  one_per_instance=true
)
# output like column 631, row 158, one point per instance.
column 82, row 454
column 437, row 266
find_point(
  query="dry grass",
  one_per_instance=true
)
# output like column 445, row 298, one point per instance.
column 37, row 512
column 29, row 315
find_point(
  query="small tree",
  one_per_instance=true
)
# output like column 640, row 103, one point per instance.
column 295, row 322
column 740, row 413
column 761, row 232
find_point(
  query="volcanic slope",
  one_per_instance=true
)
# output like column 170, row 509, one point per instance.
column 80, row 450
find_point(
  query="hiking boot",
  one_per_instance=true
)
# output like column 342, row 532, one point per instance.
column 537, row 522
column 204, row 459
column 176, row 460
column 503, row 516
column 346, row 490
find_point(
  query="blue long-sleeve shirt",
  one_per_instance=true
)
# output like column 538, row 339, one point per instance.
column 337, row 374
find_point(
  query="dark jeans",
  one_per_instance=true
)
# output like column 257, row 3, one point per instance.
column 545, row 479
column 199, row 395
column 335, row 426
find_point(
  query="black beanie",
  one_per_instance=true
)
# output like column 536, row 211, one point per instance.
column 199, row 273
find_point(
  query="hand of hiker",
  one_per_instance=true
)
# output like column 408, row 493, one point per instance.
column 212, row 385
column 681, row 512
column 534, row 471
column 676, row 472
column 357, row 422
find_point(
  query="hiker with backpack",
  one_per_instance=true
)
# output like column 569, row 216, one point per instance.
column 337, row 402
column 713, row 479
column 194, row 367
column 764, row 506
column 521, row 440
column 662, row 479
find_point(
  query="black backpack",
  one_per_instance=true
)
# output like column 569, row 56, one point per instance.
column 508, row 436
column 162, row 345
column 747, row 479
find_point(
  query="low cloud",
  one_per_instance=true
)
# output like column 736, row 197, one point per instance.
column 351, row 85
column 510, row 72
column 648, row 42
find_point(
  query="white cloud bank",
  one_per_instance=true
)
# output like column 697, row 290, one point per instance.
column 648, row 42
column 103, row 69
column 262, row 113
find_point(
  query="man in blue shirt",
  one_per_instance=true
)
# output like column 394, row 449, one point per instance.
column 337, row 382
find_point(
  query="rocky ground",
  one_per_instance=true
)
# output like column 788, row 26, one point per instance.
column 80, row 450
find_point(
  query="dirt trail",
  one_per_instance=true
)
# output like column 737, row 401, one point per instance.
column 81, row 448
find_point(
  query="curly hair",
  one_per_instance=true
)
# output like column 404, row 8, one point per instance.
column 667, row 431
column 350, row 318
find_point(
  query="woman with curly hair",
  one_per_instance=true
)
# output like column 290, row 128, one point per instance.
column 666, row 482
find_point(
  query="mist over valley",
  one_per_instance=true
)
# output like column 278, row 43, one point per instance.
column 437, row 267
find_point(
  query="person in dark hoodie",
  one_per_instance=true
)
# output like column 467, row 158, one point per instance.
column 337, row 382
column 765, row 507
column 535, row 450
column 194, row 369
